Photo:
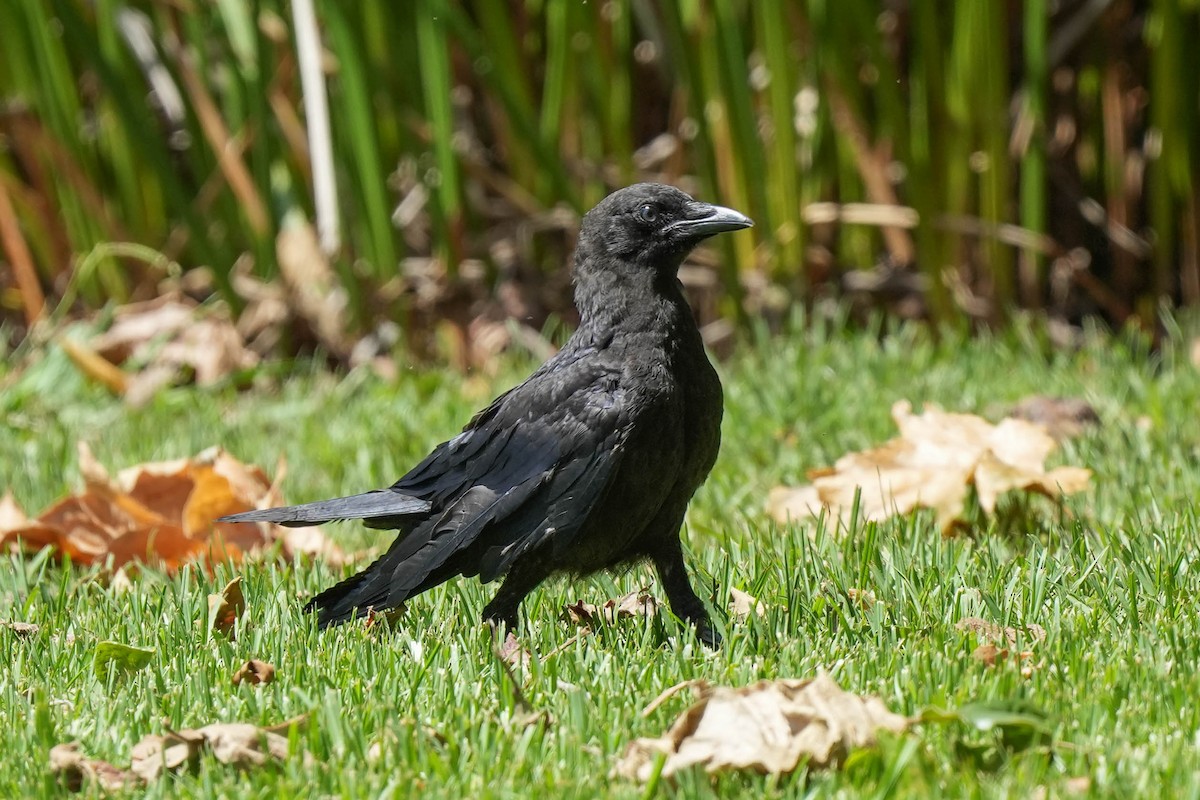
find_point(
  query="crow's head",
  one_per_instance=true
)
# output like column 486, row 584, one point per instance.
column 652, row 225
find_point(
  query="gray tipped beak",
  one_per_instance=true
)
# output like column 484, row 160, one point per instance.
column 704, row 219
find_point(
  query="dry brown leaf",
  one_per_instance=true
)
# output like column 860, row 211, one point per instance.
column 769, row 727
column 633, row 605
column 999, row 643
column 744, row 605
column 17, row 532
column 138, row 324
column 74, row 770
column 23, row 630
column 155, row 755
column 120, row 582
column 12, row 516
column 931, row 464
column 511, row 651
column 387, row 617
column 990, row 655
column 163, row 513
column 170, row 337
column 1062, row 417
column 999, row 634
column 226, row 607
column 254, row 673
column 236, row 743
column 865, row 598
column 1081, row 784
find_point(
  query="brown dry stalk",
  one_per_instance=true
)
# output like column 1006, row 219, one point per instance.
column 33, row 302
column 228, row 153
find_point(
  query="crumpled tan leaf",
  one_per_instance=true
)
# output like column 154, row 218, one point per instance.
column 638, row 604
column 744, row 605
column 168, row 338
column 768, row 727
column 1062, row 417
column 74, row 770
column 254, row 673
column 162, row 513
column 226, row 607
column 930, row 465
column 999, row 643
column 237, row 743
column 23, row 630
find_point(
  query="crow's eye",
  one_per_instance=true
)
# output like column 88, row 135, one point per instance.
column 648, row 213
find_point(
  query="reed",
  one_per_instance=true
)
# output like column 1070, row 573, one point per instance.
column 1015, row 134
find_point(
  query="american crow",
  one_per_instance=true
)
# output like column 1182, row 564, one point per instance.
column 588, row 464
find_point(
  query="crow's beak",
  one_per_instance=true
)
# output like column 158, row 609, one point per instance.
column 704, row 219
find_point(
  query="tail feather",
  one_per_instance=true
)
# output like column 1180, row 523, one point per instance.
column 383, row 503
column 369, row 589
column 345, row 600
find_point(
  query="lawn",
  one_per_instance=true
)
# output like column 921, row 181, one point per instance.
column 424, row 708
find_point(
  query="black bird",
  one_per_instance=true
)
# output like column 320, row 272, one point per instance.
column 588, row 464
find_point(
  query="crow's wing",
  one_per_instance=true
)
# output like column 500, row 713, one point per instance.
column 531, row 466
column 528, row 471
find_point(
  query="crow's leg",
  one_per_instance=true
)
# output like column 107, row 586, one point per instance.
column 505, row 606
column 668, row 560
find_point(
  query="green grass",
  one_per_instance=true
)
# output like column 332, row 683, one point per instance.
column 1110, row 576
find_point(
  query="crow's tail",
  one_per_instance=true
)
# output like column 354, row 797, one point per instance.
column 373, row 588
column 380, row 509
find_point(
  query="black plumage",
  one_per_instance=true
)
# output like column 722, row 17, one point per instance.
column 588, row 464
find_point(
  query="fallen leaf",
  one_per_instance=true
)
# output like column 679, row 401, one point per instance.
column 1062, row 417
column 164, row 340
column 744, row 605
column 155, row 755
column 163, row 513
column 11, row 514
column 865, row 598
column 254, row 672
column 236, row 743
column 23, row 630
column 638, row 604
column 931, row 464
column 511, row 651
column 120, row 583
column 136, row 325
column 226, row 607
column 74, row 770
column 769, row 727
column 373, row 618
column 999, row 643
column 17, row 532
column 1080, row 784
column 1000, row 634
column 120, row 657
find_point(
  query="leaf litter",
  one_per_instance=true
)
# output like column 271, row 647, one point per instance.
column 237, row 744
column 254, row 673
column 226, row 607
column 931, row 464
column 1000, row 644
column 162, row 513
column 770, row 727
column 638, row 604
column 159, row 342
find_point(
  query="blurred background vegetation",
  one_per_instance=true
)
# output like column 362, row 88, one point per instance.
column 953, row 161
